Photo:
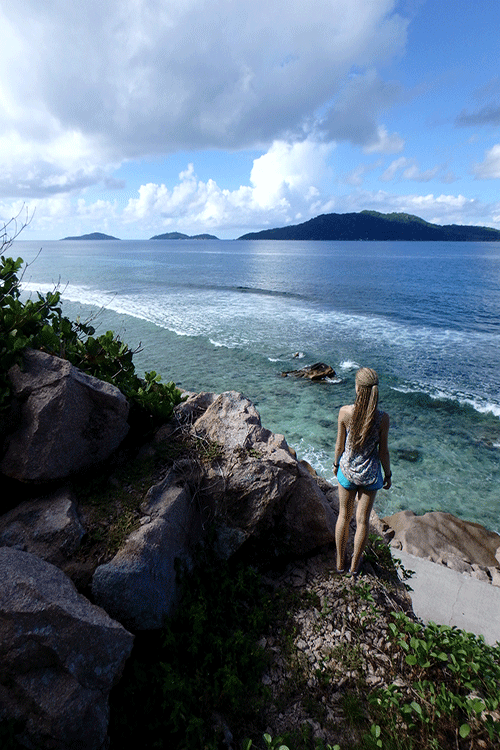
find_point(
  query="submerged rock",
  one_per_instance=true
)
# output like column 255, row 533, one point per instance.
column 412, row 455
column 318, row 371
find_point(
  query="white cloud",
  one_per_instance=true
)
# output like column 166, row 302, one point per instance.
column 352, row 115
column 407, row 169
column 384, row 142
column 489, row 169
column 85, row 86
column 438, row 209
column 298, row 169
column 194, row 206
column 285, row 183
column 51, row 216
column 357, row 175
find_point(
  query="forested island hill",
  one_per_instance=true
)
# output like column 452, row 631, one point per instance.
column 371, row 225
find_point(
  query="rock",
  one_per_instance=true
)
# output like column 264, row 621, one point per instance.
column 59, row 656
column 232, row 420
column 252, row 487
column 412, row 455
column 441, row 537
column 193, row 406
column 480, row 573
column 257, row 486
column 68, row 420
column 495, row 576
column 308, row 520
column 318, row 371
column 138, row 587
column 48, row 527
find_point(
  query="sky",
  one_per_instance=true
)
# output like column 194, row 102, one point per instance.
column 139, row 117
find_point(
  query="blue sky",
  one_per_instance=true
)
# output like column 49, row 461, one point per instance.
column 137, row 117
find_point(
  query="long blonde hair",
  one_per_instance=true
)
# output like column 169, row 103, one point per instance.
column 365, row 406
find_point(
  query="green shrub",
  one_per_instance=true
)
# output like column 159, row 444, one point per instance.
column 203, row 671
column 449, row 691
column 40, row 324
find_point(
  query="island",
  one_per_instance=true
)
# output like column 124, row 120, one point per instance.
column 93, row 236
column 180, row 236
column 372, row 225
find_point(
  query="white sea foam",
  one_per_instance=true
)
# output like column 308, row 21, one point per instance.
column 483, row 406
column 406, row 389
column 321, row 461
column 220, row 345
column 349, row 365
column 287, row 357
column 230, row 320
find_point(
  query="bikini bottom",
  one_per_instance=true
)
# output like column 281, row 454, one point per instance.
column 376, row 485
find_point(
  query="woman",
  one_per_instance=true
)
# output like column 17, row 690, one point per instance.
column 360, row 450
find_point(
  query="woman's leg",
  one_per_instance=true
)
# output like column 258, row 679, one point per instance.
column 365, row 505
column 346, row 508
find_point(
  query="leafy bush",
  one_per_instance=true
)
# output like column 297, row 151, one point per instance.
column 187, row 684
column 40, row 324
column 448, row 691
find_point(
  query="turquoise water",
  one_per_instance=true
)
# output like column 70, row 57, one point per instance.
column 232, row 315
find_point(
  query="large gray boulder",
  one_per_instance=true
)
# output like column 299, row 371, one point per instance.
column 59, row 656
column 256, row 485
column 138, row 586
column 48, row 527
column 68, row 420
column 250, row 485
column 440, row 537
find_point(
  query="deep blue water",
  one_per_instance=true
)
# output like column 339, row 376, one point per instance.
column 231, row 315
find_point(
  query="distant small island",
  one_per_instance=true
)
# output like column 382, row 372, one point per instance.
column 92, row 236
column 180, row 236
column 372, row 225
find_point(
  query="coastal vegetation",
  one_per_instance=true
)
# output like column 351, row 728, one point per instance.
column 40, row 324
column 204, row 680
column 372, row 225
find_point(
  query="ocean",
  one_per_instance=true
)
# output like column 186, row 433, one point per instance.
column 233, row 315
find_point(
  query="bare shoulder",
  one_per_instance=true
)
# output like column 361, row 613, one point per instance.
column 345, row 413
column 385, row 421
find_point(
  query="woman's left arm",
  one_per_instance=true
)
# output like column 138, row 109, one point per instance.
column 383, row 451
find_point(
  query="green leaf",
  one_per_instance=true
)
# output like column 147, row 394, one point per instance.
column 464, row 731
column 416, row 707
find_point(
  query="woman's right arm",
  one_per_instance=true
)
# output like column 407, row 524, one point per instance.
column 340, row 444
